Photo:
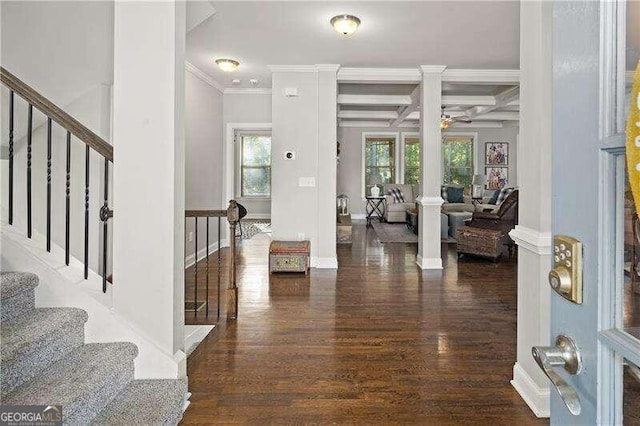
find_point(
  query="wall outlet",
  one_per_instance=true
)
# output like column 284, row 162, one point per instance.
column 300, row 236
column 190, row 236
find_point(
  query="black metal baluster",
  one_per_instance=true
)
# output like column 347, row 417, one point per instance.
column 207, row 272
column 29, row 141
column 219, row 265
column 86, row 215
column 105, row 218
column 49, row 184
column 11, row 158
column 195, row 294
column 67, row 201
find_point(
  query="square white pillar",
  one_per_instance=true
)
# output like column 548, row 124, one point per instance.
column 148, row 201
column 429, row 244
column 327, row 165
column 533, row 232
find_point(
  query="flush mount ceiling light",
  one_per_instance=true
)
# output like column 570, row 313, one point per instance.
column 345, row 24
column 227, row 65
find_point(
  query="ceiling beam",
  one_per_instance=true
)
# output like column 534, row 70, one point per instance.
column 374, row 100
column 474, row 76
column 503, row 98
column 347, row 123
column 374, row 115
column 379, row 75
column 409, row 109
column 450, row 100
column 492, row 116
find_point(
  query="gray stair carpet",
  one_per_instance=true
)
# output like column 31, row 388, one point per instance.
column 44, row 361
column 31, row 342
column 146, row 402
column 17, row 293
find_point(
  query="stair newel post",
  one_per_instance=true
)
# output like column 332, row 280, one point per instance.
column 233, row 216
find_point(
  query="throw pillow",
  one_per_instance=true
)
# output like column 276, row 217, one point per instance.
column 504, row 193
column 455, row 194
column 396, row 193
column 494, row 197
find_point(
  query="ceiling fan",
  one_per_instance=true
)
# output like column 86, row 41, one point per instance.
column 446, row 120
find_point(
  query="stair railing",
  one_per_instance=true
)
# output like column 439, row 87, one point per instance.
column 232, row 215
column 84, row 135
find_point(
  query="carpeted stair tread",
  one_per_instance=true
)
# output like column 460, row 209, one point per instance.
column 84, row 382
column 14, row 283
column 146, row 402
column 30, row 343
column 22, row 335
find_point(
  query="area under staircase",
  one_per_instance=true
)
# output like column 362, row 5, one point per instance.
column 45, row 361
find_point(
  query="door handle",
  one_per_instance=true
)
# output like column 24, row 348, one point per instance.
column 565, row 354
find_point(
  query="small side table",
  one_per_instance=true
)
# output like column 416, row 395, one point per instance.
column 375, row 209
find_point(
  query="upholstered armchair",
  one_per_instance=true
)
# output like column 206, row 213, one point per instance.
column 504, row 219
column 396, row 212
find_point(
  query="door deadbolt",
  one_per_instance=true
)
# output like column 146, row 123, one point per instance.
column 566, row 276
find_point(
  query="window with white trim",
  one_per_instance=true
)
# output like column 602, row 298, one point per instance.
column 255, row 164
column 457, row 160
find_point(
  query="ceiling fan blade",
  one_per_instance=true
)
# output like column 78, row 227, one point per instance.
column 462, row 119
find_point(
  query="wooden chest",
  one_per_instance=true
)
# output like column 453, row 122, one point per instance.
column 289, row 256
column 482, row 242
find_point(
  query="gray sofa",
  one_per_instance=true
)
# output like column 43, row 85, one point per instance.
column 467, row 205
column 396, row 212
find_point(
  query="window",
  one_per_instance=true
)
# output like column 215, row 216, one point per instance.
column 457, row 158
column 379, row 161
column 255, row 164
column 411, row 160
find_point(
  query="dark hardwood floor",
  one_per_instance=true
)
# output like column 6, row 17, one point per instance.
column 375, row 342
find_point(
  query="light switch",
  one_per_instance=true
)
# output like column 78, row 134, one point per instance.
column 307, row 181
column 291, row 92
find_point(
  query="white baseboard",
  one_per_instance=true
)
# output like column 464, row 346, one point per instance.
column 428, row 262
column 537, row 398
column 259, row 216
column 193, row 335
column 324, row 262
column 359, row 216
column 202, row 253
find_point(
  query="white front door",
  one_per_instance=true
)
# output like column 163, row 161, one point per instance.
column 591, row 55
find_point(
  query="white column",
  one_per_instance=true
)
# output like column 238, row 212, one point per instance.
column 327, row 165
column 429, row 256
column 148, row 203
column 533, row 232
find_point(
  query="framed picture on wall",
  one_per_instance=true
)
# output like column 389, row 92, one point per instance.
column 496, row 153
column 497, row 177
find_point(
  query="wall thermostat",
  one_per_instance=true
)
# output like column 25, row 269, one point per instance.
column 289, row 155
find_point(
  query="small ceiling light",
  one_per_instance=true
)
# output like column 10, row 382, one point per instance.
column 235, row 81
column 345, row 24
column 227, row 65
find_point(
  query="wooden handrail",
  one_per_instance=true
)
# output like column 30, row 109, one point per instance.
column 52, row 111
column 205, row 213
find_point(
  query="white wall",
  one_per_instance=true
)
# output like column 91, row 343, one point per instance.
column 295, row 127
column 60, row 48
column 64, row 50
column 350, row 167
column 248, row 108
column 204, row 160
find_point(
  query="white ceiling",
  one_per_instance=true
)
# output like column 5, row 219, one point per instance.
column 394, row 34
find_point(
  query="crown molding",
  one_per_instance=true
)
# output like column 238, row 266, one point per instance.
column 481, row 76
column 432, row 68
column 379, row 75
column 247, row 91
column 292, row 68
column 203, row 76
column 328, row 67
